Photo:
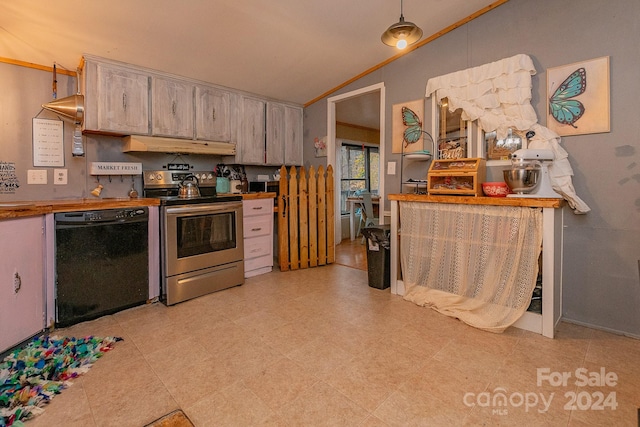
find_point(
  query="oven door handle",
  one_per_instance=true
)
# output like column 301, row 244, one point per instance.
column 203, row 209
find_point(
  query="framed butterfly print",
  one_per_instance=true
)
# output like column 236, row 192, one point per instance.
column 407, row 119
column 578, row 97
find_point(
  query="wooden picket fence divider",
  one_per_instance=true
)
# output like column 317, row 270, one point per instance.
column 306, row 219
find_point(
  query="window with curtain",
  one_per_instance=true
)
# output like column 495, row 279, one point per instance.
column 360, row 171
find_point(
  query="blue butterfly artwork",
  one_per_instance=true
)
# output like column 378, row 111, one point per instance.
column 413, row 132
column 565, row 110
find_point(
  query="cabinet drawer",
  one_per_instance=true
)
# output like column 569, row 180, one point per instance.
column 257, row 207
column 257, row 246
column 257, row 226
column 256, row 263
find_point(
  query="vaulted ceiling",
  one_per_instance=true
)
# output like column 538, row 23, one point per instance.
column 291, row 50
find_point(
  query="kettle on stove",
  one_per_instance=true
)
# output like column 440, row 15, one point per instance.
column 189, row 187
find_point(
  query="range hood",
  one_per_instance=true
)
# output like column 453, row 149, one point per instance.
column 138, row 143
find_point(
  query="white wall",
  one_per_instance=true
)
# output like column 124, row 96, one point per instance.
column 602, row 253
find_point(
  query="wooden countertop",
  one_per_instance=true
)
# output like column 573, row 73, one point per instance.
column 258, row 195
column 469, row 200
column 41, row 207
column 20, row 209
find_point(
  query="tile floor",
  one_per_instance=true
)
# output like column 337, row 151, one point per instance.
column 319, row 347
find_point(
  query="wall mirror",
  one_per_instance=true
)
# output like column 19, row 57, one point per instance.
column 501, row 149
column 454, row 135
column 459, row 138
column 452, row 132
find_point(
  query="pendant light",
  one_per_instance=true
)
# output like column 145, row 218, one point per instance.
column 402, row 33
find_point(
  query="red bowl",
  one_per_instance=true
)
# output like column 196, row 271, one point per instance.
column 495, row 189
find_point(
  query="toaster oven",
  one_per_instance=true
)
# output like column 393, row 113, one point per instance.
column 264, row 186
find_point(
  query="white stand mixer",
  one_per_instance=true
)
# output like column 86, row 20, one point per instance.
column 543, row 189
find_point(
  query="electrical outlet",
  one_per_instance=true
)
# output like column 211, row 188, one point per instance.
column 36, row 176
column 60, row 176
column 391, row 168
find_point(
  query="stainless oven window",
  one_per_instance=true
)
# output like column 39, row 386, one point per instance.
column 201, row 234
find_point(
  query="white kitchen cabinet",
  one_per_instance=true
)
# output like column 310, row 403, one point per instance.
column 216, row 112
column 258, row 236
column 282, row 142
column 172, row 108
column 275, row 133
column 125, row 99
column 116, row 99
column 284, row 135
column 293, row 154
column 21, row 280
column 251, row 142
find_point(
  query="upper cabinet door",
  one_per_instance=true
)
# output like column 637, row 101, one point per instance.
column 213, row 114
column 293, row 152
column 172, row 103
column 275, row 133
column 251, row 148
column 122, row 100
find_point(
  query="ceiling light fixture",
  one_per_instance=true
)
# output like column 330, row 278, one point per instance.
column 401, row 34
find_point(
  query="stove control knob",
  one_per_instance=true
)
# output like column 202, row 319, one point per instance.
column 151, row 177
column 159, row 177
column 210, row 176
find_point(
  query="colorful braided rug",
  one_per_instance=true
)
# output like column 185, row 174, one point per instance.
column 31, row 376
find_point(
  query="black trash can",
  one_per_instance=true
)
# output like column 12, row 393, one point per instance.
column 378, row 255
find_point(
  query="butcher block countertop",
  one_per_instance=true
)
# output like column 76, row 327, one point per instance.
column 10, row 210
column 260, row 195
column 469, row 200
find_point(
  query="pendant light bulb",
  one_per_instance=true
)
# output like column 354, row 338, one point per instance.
column 402, row 33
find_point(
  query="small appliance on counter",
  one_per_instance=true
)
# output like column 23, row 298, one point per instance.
column 529, row 174
column 235, row 186
column 264, row 186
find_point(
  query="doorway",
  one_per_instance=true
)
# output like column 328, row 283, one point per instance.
column 333, row 148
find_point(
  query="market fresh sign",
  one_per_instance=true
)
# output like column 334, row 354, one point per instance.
column 116, row 168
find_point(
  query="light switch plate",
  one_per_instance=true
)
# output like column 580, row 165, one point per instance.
column 391, row 168
column 36, row 176
column 60, row 176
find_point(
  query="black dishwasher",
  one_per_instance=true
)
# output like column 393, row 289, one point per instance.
column 102, row 263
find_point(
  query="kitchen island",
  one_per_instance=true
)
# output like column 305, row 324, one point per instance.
column 552, row 214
